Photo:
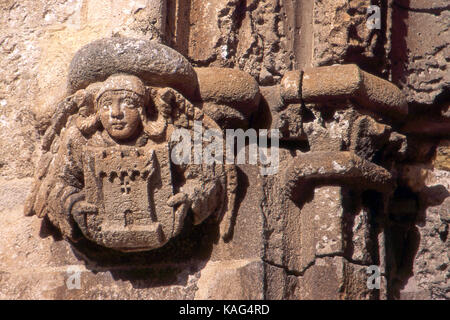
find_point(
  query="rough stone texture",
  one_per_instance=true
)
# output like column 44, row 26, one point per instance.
column 427, row 276
column 333, row 279
column 229, row 86
column 231, row 280
column 249, row 35
column 156, row 64
column 294, row 239
column 443, row 156
column 291, row 87
column 228, row 96
column 421, row 53
column 341, row 34
column 246, row 240
column 344, row 167
column 348, row 81
column 419, row 57
column 320, row 230
column 320, row 225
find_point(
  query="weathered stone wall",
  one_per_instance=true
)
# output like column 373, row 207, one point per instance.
column 419, row 60
column 270, row 254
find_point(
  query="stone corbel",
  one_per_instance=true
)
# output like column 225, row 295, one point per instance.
column 229, row 96
column 319, row 184
column 333, row 168
column 341, row 82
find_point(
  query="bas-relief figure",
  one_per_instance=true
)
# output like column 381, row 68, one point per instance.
column 106, row 173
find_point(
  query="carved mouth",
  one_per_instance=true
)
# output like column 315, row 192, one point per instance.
column 118, row 125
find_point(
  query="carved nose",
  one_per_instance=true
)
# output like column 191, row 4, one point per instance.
column 116, row 112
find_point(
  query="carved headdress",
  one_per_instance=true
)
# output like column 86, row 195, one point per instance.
column 123, row 82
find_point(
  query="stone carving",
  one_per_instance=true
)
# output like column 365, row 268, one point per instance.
column 309, row 170
column 105, row 171
column 332, row 190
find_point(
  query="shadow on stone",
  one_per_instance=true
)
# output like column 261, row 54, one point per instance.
column 48, row 230
column 172, row 264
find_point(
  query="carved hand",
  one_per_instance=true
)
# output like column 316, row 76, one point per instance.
column 83, row 207
column 204, row 199
column 180, row 200
column 79, row 210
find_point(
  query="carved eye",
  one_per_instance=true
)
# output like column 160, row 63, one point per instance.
column 106, row 104
column 129, row 103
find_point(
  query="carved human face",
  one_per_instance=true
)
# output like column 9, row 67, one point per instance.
column 120, row 113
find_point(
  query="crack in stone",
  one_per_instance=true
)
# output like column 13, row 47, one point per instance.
column 301, row 273
column 288, row 271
